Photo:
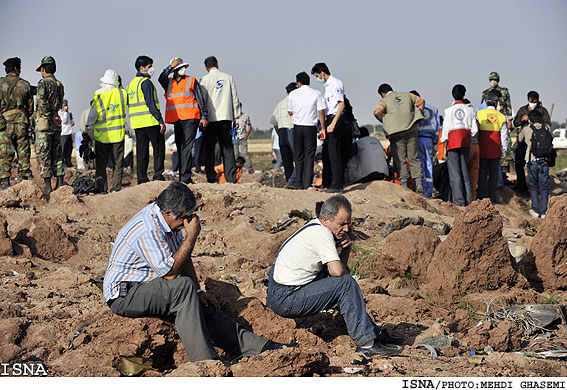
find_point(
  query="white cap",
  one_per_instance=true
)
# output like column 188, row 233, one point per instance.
column 110, row 77
column 185, row 64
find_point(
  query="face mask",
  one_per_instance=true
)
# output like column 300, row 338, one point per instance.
column 322, row 81
column 151, row 71
column 532, row 105
column 181, row 72
column 493, row 83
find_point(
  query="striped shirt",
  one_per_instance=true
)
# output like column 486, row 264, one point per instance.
column 143, row 251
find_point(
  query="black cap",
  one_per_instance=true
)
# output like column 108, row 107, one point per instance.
column 14, row 61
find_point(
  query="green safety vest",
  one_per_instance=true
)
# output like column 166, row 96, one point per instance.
column 140, row 115
column 110, row 125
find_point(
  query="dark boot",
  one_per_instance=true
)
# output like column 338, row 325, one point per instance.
column 47, row 189
column 4, row 183
column 60, row 181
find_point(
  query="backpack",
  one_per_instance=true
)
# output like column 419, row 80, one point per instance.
column 542, row 142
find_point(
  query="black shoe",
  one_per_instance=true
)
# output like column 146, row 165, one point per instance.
column 160, row 178
column 60, row 182
column 386, row 338
column 272, row 345
column 378, row 349
column 333, row 190
column 47, row 188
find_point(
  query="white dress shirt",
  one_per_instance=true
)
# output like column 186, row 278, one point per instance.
column 334, row 93
column 304, row 103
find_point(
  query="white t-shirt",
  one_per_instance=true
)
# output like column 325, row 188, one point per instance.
column 303, row 257
column 304, row 103
column 334, row 93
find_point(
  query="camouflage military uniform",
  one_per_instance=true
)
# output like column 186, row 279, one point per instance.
column 16, row 105
column 505, row 107
column 49, row 99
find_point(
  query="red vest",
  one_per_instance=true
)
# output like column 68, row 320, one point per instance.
column 181, row 103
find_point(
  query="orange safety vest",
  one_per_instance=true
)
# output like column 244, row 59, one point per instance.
column 181, row 103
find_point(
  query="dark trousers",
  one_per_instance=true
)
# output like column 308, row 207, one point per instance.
column 458, row 166
column 144, row 136
column 520, row 163
column 198, row 154
column 220, row 131
column 66, row 149
column 200, row 328
column 304, row 146
column 185, row 132
column 103, row 152
column 286, row 149
column 336, row 149
column 488, row 175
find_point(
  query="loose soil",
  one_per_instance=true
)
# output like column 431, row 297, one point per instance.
column 434, row 277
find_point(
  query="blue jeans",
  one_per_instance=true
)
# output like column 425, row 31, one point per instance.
column 538, row 176
column 425, row 152
column 342, row 293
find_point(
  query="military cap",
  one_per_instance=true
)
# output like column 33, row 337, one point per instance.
column 46, row 61
column 494, row 76
column 14, row 61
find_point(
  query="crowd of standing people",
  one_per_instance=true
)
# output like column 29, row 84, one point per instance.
column 207, row 116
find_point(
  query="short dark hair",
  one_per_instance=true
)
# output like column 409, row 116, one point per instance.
column 535, row 116
column 384, row 88
column 413, row 91
column 533, row 95
column 240, row 160
column 493, row 97
column 331, row 207
column 49, row 68
column 302, row 78
column 291, row 87
column 458, row 92
column 211, row 62
column 143, row 61
column 364, row 132
column 320, row 67
column 178, row 199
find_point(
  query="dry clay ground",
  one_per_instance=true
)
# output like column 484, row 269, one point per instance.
column 420, row 281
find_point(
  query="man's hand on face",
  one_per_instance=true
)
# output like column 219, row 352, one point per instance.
column 192, row 226
column 207, row 299
column 344, row 241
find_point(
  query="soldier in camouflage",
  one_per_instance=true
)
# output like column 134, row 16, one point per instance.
column 505, row 107
column 49, row 99
column 16, row 106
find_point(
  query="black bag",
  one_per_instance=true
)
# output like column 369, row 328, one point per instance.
column 350, row 120
column 542, row 142
column 83, row 185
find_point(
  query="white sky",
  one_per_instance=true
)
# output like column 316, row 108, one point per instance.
column 424, row 45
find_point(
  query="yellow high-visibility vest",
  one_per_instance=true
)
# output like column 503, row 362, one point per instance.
column 110, row 126
column 140, row 115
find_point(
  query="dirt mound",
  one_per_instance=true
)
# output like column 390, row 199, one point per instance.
column 412, row 249
column 502, row 336
column 549, row 246
column 28, row 192
column 46, row 239
column 474, row 257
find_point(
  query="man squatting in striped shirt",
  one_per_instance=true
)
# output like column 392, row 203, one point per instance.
column 150, row 273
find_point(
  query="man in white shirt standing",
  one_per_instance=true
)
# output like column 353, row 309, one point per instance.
column 337, row 143
column 306, row 105
column 67, row 124
column 309, row 275
column 223, row 106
